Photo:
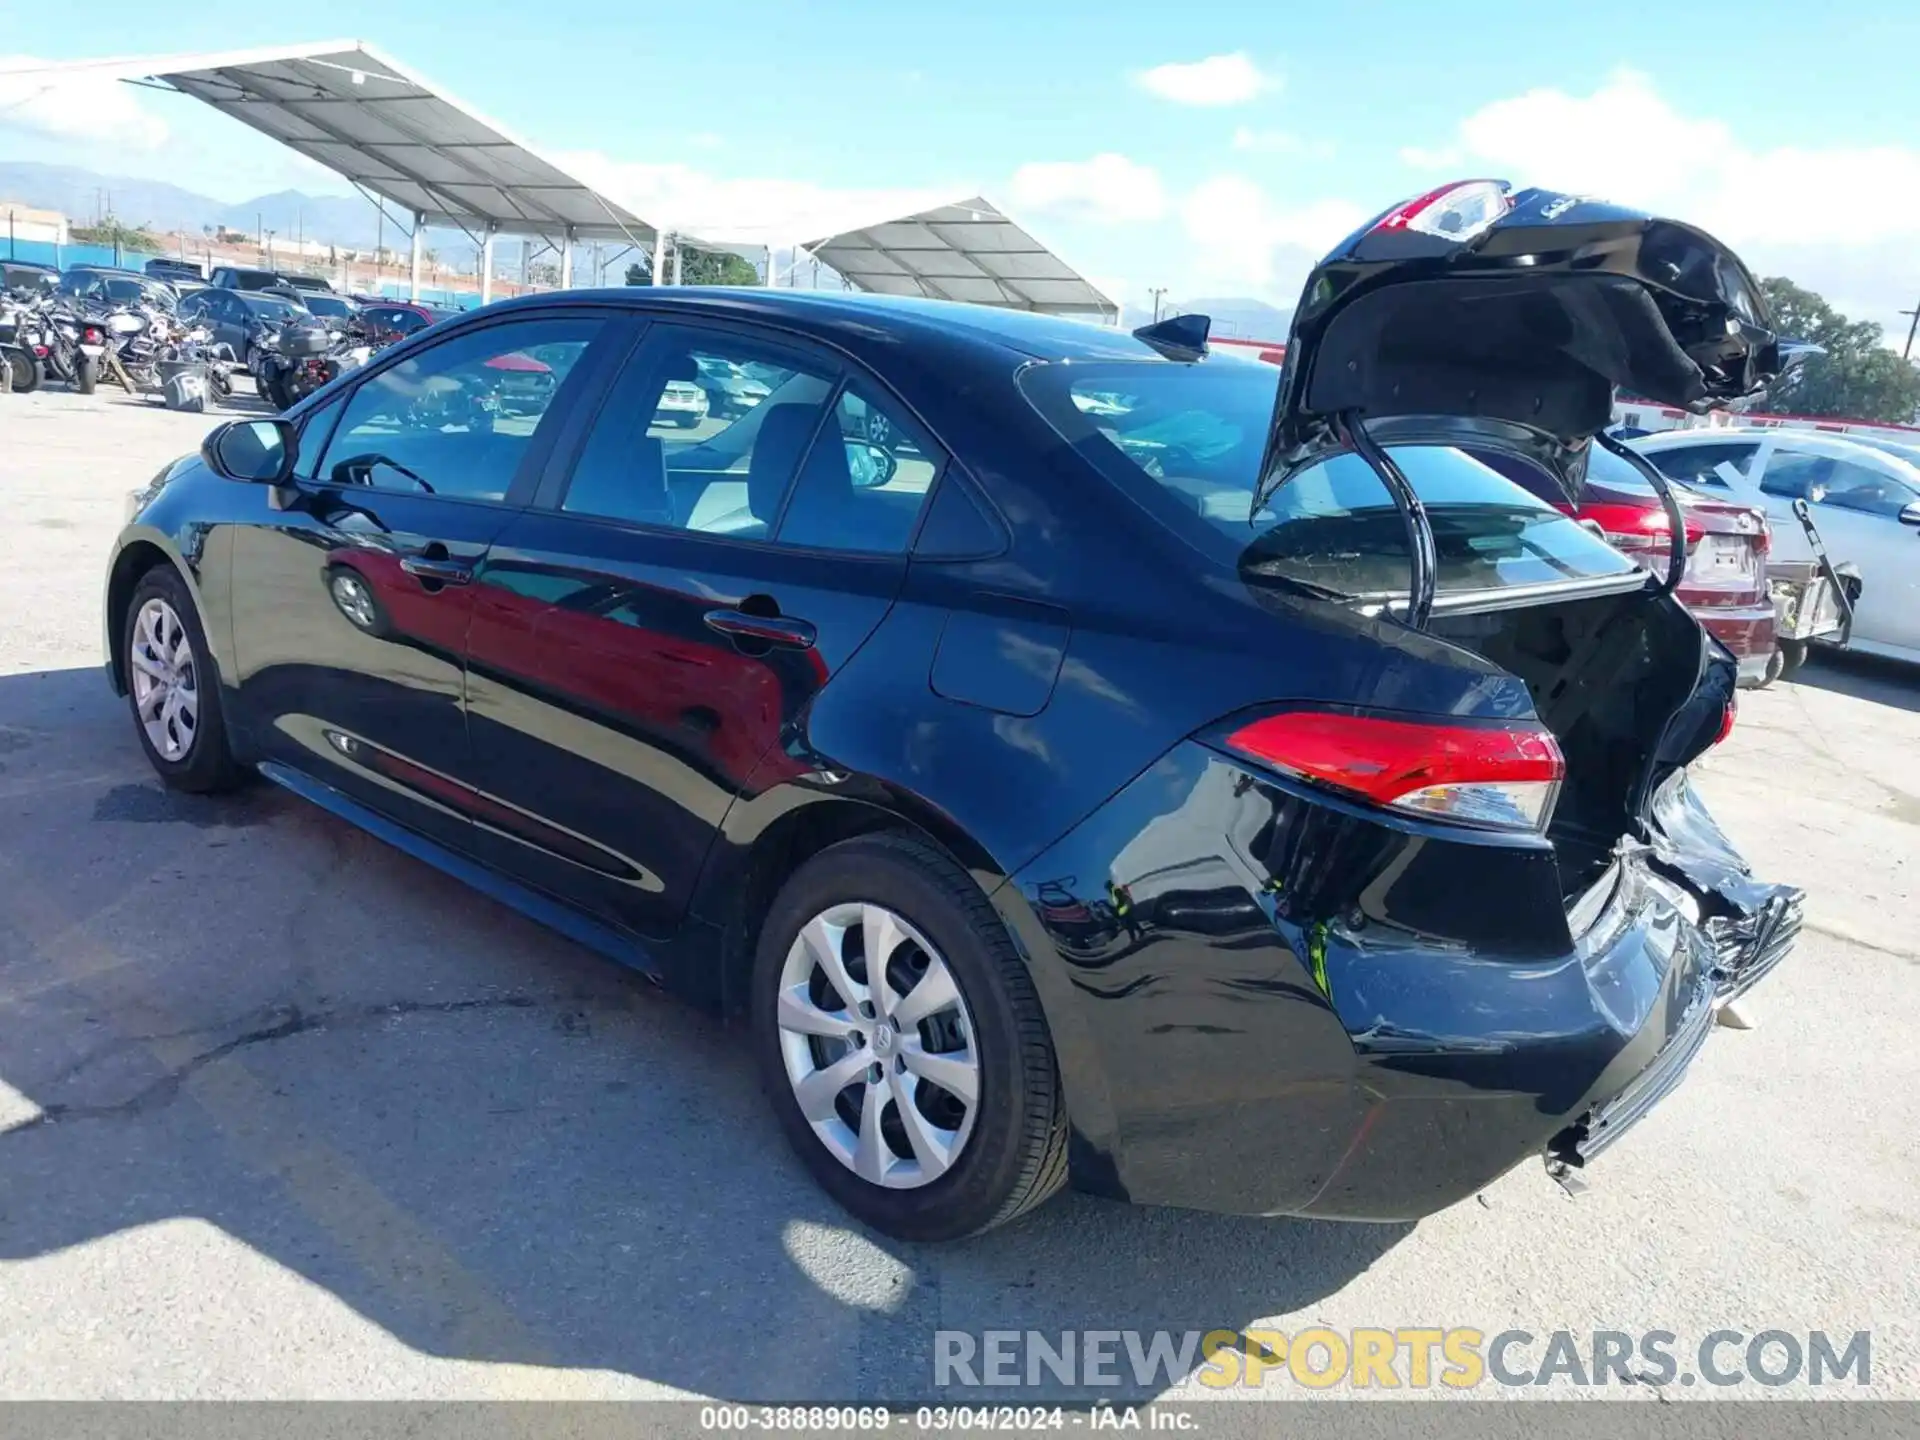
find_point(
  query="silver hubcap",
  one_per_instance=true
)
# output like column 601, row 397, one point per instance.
column 166, row 693
column 879, row 1046
column 350, row 594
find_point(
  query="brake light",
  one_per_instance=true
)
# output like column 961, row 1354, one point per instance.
column 92, row 336
column 1457, row 211
column 1727, row 719
column 1499, row 776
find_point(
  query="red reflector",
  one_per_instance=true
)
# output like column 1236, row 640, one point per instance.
column 1490, row 774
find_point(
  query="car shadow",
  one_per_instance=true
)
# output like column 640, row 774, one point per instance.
column 491, row 1143
column 1864, row 677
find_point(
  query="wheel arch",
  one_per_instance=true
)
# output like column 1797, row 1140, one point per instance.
column 770, row 836
column 135, row 558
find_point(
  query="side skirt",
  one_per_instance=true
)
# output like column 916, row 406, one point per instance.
column 621, row 948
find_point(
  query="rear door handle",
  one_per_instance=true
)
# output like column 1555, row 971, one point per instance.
column 768, row 629
column 438, row 570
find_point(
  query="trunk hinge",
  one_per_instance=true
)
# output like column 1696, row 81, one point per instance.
column 1422, row 557
column 1676, row 522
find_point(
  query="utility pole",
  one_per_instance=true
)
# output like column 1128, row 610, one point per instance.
column 1906, row 352
column 1157, row 291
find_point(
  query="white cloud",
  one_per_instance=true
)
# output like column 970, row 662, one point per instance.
column 68, row 106
column 1218, row 80
column 778, row 212
column 1108, row 189
column 1280, row 142
column 1246, row 238
column 1627, row 142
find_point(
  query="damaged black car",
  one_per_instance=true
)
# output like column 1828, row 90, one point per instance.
column 1076, row 757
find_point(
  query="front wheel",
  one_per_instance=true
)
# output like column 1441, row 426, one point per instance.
column 24, row 368
column 1793, row 654
column 902, row 1043
column 173, row 688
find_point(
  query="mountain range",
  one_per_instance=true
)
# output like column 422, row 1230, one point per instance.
column 83, row 195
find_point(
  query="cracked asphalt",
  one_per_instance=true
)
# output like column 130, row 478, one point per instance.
column 284, row 1113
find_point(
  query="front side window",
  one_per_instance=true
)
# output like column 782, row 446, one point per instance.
column 1795, row 477
column 660, row 453
column 1186, row 441
column 1857, row 487
column 457, row 418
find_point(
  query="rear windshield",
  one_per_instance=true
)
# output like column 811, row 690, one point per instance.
column 1185, row 441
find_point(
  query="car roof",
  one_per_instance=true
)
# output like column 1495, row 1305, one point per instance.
column 1820, row 442
column 854, row 315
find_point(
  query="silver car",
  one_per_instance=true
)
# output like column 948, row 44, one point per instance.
column 1865, row 498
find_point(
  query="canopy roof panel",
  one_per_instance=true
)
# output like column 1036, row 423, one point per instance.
column 390, row 131
column 969, row 251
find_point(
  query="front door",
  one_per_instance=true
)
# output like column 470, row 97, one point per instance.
column 654, row 628
column 359, row 584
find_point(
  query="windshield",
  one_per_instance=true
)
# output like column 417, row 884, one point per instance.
column 327, row 305
column 269, row 307
column 1185, row 441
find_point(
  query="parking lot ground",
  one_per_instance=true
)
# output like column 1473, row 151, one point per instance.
column 284, row 1113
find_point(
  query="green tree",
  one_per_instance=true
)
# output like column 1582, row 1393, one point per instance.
column 1858, row 378
column 117, row 232
column 700, row 267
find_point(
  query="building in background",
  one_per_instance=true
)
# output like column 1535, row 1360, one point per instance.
column 23, row 224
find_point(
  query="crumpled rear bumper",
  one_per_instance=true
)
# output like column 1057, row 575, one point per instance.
column 1748, row 927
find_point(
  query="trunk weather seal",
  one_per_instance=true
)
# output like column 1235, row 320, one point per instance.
column 1422, row 557
column 1676, row 522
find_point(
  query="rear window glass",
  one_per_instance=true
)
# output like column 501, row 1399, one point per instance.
column 1185, row 441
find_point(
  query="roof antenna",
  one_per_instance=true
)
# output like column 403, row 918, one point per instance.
column 1178, row 337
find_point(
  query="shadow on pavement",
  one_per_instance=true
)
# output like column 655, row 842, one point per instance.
column 491, row 1143
column 1865, row 677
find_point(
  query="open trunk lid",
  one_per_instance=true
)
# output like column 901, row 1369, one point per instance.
column 1519, row 311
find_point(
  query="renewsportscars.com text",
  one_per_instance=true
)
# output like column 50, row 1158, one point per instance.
column 1411, row 1358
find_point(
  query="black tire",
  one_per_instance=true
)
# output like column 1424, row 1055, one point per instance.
column 86, row 375
column 208, row 765
column 26, row 372
column 1793, row 654
column 1016, row 1155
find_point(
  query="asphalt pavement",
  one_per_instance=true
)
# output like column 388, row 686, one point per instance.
column 284, row 1113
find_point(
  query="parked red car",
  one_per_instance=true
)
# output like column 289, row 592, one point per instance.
column 1725, row 582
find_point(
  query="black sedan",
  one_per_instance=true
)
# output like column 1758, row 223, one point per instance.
column 1122, row 771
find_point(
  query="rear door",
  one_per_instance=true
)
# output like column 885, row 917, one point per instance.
column 660, row 621
column 354, row 596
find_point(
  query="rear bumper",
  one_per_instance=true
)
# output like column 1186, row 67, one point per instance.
column 1269, row 1027
column 1748, row 632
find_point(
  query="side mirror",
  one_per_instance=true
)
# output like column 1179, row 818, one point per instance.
column 870, row 465
column 261, row 452
column 1911, row 515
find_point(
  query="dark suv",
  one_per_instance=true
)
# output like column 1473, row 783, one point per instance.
column 233, row 277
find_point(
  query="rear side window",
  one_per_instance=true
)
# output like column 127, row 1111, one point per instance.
column 1697, row 464
column 1186, row 441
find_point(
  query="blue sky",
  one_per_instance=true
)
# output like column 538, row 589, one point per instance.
column 1794, row 135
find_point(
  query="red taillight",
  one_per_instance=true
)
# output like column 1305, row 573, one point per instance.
column 1727, row 719
column 91, row 336
column 1504, row 776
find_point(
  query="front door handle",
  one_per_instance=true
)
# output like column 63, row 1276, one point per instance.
column 438, row 570
column 767, row 629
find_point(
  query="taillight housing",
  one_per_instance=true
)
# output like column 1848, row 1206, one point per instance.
column 1459, row 210
column 1488, row 775
column 1727, row 718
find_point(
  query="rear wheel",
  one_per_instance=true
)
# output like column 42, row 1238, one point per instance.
column 25, row 370
column 86, row 375
column 1793, row 654
column 902, row 1043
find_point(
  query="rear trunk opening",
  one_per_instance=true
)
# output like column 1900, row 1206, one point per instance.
column 1623, row 683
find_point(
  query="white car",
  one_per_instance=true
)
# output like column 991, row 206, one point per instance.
column 682, row 403
column 1865, row 499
